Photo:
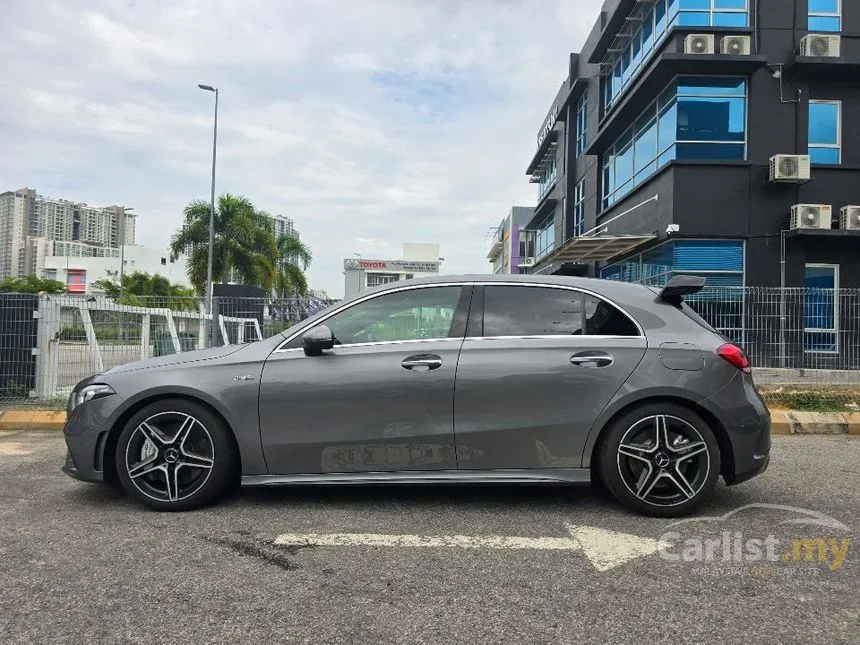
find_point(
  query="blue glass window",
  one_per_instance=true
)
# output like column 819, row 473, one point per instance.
column 821, row 315
column 579, row 209
column 696, row 118
column 825, row 15
column 581, row 124
column 655, row 24
column 825, row 132
column 544, row 238
column 548, row 175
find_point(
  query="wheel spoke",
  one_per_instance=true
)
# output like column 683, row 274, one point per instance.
column 646, row 482
column 152, row 433
column 661, row 430
column 691, row 450
column 171, row 481
column 635, row 451
column 144, row 468
column 681, row 482
column 195, row 461
column 184, row 430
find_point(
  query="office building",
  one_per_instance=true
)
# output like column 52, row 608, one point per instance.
column 418, row 261
column 511, row 252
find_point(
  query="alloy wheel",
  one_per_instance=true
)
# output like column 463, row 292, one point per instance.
column 663, row 460
column 169, row 456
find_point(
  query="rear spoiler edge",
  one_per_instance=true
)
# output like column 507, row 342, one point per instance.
column 679, row 286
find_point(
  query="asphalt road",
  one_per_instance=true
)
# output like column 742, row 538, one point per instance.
column 81, row 563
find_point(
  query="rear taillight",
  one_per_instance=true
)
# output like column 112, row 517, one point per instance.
column 735, row 355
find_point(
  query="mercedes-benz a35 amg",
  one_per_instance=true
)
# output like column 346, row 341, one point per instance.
column 476, row 379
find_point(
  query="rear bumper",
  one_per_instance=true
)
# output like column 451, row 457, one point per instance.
column 745, row 417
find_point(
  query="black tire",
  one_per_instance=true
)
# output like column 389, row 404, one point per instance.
column 666, row 489
column 202, row 468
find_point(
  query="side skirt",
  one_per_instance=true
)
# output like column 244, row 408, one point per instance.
column 512, row 476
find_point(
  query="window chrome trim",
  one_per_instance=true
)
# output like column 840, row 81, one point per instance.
column 472, row 283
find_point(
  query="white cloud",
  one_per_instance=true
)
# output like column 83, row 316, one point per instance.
column 370, row 122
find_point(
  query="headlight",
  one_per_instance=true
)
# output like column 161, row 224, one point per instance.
column 88, row 393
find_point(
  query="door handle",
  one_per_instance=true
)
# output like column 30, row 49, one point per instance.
column 422, row 362
column 592, row 359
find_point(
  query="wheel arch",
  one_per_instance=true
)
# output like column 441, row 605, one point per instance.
column 113, row 433
column 592, row 448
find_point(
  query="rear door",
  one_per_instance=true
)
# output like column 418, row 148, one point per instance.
column 535, row 373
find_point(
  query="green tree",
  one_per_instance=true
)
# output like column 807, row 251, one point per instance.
column 31, row 284
column 294, row 257
column 243, row 244
column 141, row 289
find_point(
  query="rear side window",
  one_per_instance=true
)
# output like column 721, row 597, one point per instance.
column 543, row 311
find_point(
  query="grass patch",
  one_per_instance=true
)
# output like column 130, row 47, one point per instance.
column 819, row 400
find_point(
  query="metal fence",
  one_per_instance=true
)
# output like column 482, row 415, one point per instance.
column 797, row 339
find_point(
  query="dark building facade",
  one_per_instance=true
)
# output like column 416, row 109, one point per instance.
column 717, row 137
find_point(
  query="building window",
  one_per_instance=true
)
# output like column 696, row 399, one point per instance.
column 547, row 176
column 697, row 117
column 378, row 279
column 657, row 21
column 581, row 124
column 579, row 209
column 544, row 238
column 825, row 15
column 821, row 309
column 825, row 132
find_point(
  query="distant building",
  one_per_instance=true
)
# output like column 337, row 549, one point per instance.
column 419, row 260
column 26, row 215
column 511, row 247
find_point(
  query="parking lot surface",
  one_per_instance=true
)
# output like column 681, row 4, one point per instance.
column 82, row 563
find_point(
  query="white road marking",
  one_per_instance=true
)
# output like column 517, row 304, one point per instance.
column 13, row 449
column 604, row 549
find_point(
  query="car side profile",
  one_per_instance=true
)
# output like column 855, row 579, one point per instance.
column 485, row 379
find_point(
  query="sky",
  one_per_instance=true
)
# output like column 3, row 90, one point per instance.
column 369, row 122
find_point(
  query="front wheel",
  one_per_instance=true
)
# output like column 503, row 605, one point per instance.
column 660, row 459
column 175, row 455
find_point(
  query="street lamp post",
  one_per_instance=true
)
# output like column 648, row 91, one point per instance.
column 122, row 229
column 214, row 90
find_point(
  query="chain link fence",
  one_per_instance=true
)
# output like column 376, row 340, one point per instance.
column 804, row 344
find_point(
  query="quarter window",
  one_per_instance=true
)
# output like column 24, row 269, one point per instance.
column 544, row 311
column 414, row 314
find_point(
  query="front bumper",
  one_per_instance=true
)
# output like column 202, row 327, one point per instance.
column 86, row 432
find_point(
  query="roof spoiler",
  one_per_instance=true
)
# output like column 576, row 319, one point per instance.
column 680, row 286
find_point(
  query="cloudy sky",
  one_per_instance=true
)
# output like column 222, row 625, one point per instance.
column 369, row 122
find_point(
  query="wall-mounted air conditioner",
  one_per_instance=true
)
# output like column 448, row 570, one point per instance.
column 821, row 45
column 699, row 44
column 790, row 169
column 526, row 262
column 736, row 45
column 849, row 218
column 811, row 216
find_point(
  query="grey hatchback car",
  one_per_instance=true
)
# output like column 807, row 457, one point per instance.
column 475, row 379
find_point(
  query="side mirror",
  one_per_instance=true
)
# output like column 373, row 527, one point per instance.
column 317, row 340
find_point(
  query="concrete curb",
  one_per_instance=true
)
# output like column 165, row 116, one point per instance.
column 783, row 422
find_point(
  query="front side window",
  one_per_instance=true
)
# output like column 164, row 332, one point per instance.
column 544, row 311
column 825, row 15
column 415, row 314
column 825, row 132
column 821, row 315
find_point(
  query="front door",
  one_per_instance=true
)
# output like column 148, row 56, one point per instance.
column 381, row 400
column 532, row 381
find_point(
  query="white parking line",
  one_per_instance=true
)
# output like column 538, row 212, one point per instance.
column 604, row 549
column 11, row 448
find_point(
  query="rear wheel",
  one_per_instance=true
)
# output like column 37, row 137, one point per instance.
column 660, row 459
column 175, row 455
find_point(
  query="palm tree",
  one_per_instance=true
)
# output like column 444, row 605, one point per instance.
column 294, row 256
column 243, row 244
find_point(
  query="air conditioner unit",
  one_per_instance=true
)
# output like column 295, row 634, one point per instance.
column 736, row 45
column 699, row 44
column 526, row 262
column 849, row 218
column 811, row 216
column 792, row 169
column 821, row 45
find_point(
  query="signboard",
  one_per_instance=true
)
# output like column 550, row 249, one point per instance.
column 548, row 125
column 400, row 266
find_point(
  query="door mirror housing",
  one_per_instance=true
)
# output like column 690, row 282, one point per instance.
column 317, row 340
